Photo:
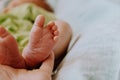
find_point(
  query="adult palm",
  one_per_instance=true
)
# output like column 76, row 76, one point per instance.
column 43, row 73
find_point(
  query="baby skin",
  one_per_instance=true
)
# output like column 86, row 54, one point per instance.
column 40, row 46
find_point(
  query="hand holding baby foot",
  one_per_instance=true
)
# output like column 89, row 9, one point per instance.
column 43, row 73
column 41, row 42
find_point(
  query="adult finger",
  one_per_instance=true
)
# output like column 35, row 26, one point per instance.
column 47, row 65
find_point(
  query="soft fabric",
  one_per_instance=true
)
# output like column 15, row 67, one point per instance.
column 19, row 21
column 94, row 53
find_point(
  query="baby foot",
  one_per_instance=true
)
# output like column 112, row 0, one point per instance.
column 41, row 42
column 9, row 53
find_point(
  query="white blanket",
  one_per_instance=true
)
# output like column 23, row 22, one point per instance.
column 94, row 53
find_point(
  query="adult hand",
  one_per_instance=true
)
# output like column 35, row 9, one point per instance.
column 43, row 73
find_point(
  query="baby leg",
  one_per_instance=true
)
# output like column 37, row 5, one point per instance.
column 41, row 42
column 65, row 35
column 9, row 53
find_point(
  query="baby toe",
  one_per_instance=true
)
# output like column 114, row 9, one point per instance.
column 55, row 38
column 54, row 28
column 3, row 32
column 56, row 33
column 50, row 25
column 39, row 21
